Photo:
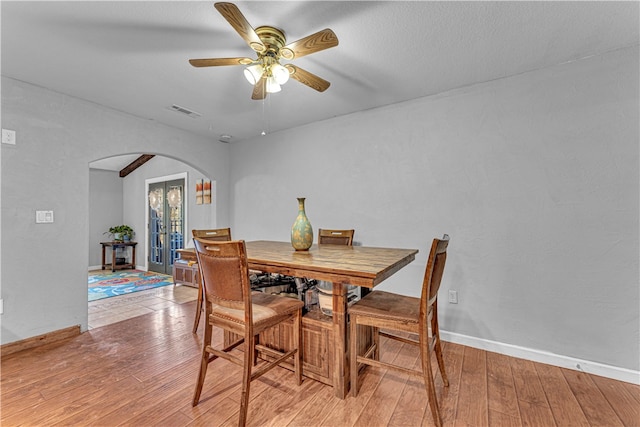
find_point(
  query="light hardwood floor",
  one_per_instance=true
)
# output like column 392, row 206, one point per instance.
column 142, row 372
column 106, row 311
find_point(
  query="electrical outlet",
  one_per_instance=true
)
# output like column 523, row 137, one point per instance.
column 453, row 297
column 8, row 136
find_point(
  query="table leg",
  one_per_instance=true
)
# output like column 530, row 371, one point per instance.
column 341, row 365
column 113, row 259
column 103, row 257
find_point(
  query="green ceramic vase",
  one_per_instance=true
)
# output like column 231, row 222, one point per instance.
column 301, row 231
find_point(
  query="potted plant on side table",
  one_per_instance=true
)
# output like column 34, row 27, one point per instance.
column 121, row 233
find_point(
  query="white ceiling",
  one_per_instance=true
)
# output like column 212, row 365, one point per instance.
column 116, row 163
column 132, row 56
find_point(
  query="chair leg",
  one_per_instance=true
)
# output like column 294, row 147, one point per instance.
column 249, row 355
column 198, row 309
column 256, row 341
column 435, row 330
column 204, row 363
column 429, row 383
column 376, row 343
column 353, row 354
column 297, row 339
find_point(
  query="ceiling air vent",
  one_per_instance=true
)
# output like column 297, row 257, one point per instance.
column 185, row 111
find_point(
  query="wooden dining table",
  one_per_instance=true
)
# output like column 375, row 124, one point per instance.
column 342, row 265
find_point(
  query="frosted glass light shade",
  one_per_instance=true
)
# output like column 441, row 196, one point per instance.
column 272, row 85
column 253, row 73
column 280, row 73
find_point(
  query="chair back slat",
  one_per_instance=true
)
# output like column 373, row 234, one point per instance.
column 433, row 275
column 219, row 234
column 335, row 237
column 216, row 234
column 224, row 273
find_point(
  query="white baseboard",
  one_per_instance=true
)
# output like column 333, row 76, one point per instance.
column 595, row 368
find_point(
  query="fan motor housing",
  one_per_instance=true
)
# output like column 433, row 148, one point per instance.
column 273, row 39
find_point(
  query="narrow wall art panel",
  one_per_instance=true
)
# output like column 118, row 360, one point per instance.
column 199, row 191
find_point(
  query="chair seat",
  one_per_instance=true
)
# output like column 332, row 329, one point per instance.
column 386, row 305
column 264, row 308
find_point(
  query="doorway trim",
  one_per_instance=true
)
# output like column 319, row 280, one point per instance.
column 181, row 175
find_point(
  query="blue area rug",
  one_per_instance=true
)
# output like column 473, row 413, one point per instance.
column 107, row 285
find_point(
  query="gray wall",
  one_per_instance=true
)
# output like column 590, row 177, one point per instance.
column 105, row 210
column 44, row 276
column 534, row 177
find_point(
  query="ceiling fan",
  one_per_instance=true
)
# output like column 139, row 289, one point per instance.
column 266, row 73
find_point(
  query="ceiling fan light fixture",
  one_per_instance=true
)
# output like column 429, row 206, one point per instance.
column 253, row 73
column 265, row 73
column 272, row 85
column 280, row 73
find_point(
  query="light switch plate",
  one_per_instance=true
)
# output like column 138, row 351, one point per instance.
column 453, row 297
column 44, row 217
column 8, row 136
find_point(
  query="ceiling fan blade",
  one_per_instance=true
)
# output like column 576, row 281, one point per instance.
column 308, row 78
column 259, row 90
column 314, row 43
column 232, row 14
column 214, row 62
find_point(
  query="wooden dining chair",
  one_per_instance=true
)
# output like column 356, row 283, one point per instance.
column 335, row 237
column 217, row 234
column 385, row 311
column 231, row 305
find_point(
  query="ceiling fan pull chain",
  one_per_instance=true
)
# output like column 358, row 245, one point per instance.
column 264, row 120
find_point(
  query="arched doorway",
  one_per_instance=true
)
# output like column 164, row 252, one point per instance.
column 133, row 209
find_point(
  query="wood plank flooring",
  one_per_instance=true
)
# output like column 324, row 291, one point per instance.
column 142, row 371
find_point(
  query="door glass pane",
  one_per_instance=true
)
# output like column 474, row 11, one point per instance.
column 156, row 235
column 176, row 218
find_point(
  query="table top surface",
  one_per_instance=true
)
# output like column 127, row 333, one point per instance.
column 358, row 265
